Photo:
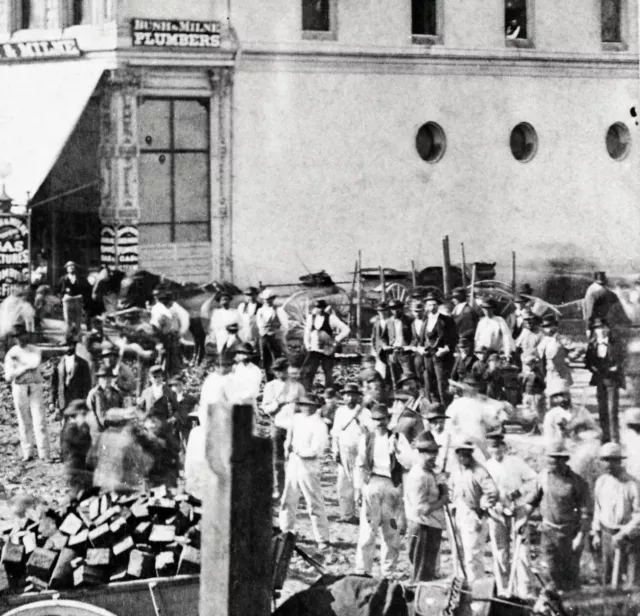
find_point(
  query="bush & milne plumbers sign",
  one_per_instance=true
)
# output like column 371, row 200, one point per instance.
column 175, row 33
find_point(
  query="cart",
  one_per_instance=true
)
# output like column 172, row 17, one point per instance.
column 169, row 596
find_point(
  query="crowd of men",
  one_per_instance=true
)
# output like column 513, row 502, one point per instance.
column 418, row 440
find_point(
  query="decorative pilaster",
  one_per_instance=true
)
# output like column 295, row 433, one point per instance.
column 221, row 173
column 119, row 203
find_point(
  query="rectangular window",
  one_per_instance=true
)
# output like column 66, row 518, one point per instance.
column 611, row 21
column 426, row 27
column 517, row 23
column 318, row 19
column 174, row 171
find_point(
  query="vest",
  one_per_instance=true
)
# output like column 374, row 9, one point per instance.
column 325, row 327
column 273, row 325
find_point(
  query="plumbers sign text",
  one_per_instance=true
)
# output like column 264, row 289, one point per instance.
column 175, row 33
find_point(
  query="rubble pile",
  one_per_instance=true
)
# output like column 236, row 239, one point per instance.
column 98, row 539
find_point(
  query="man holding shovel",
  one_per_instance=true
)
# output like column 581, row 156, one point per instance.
column 616, row 519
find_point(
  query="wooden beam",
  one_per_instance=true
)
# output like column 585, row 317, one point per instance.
column 464, row 266
column 446, row 269
column 359, row 301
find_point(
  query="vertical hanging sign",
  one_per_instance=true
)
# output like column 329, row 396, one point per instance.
column 14, row 253
column 119, row 246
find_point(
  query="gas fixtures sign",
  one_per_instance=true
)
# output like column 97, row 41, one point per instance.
column 175, row 33
column 14, row 253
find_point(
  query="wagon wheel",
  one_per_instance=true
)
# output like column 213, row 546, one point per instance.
column 58, row 608
column 395, row 290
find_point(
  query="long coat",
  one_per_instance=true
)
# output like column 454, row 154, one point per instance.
column 65, row 388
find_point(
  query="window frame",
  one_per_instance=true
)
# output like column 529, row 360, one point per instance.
column 430, row 39
column 322, row 35
column 620, row 45
column 521, row 43
column 171, row 151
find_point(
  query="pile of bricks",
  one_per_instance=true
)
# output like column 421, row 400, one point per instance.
column 98, row 539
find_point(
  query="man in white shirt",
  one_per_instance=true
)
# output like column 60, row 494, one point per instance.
column 272, row 323
column 553, row 354
column 351, row 421
column 381, row 496
column 22, row 370
column 306, row 442
column 247, row 377
column 616, row 516
column 492, row 331
column 220, row 319
column 167, row 326
column 248, row 311
column 513, row 478
column 321, row 342
column 278, row 402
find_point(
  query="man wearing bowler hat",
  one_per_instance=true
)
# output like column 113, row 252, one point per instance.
column 398, row 341
column 381, row 496
column 247, row 312
column 307, row 440
column 321, row 342
column 272, row 323
column 73, row 290
column 563, row 498
column 464, row 316
column 351, row 421
column 616, row 517
column 425, row 496
column 493, row 331
column 601, row 301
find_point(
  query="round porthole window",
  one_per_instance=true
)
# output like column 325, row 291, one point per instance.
column 618, row 141
column 523, row 142
column 431, row 142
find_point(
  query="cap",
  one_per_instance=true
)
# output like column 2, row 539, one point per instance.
column 280, row 364
column 464, row 444
column 269, row 294
column 557, row 387
column 351, row 388
column 425, row 442
column 69, row 264
column 558, row 451
column 245, row 348
column 308, row 400
column 380, row 411
column 435, row 411
column 632, row 416
column 611, row 450
column 407, row 376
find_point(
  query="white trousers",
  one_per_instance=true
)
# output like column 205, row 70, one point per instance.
column 348, row 485
column 472, row 531
column 302, row 478
column 380, row 504
column 32, row 419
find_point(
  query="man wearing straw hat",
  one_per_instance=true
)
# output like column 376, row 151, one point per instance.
column 514, row 478
column 616, row 519
column 351, row 421
column 563, row 498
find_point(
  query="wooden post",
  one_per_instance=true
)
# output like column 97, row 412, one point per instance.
column 446, row 270
column 513, row 272
column 236, row 525
column 359, row 300
column 383, row 293
column 464, row 266
column 413, row 275
column 472, row 295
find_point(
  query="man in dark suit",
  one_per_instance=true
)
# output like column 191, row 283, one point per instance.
column 601, row 302
column 379, row 337
column 464, row 316
column 437, row 345
column 417, row 329
column 398, row 343
column 70, row 379
column 158, row 400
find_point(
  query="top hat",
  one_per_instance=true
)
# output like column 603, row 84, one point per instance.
column 425, row 442
column 351, row 388
column 380, row 411
column 600, row 277
column 280, row 364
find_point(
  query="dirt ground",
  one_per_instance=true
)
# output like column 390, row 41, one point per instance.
column 47, row 482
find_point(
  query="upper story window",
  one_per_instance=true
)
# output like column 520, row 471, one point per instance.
column 426, row 17
column 517, row 23
column 611, row 24
column 54, row 14
column 319, row 19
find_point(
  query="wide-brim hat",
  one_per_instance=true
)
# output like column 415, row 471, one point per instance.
column 408, row 376
column 464, row 444
column 396, row 304
column 351, row 388
column 380, row 411
column 488, row 302
column 155, row 370
column 612, row 451
column 252, row 291
column 280, row 364
column 435, row 411
column 557, row 451
column 425, row 442
column 70, row 264
column 307, row 400
column 469, row 382
column 246, row 348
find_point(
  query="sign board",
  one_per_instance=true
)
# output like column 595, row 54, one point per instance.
column 119, row 247
column 175, row 33
column 14, row 253
column 30, row 50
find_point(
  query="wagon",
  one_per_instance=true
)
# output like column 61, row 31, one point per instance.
column 168, row 596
